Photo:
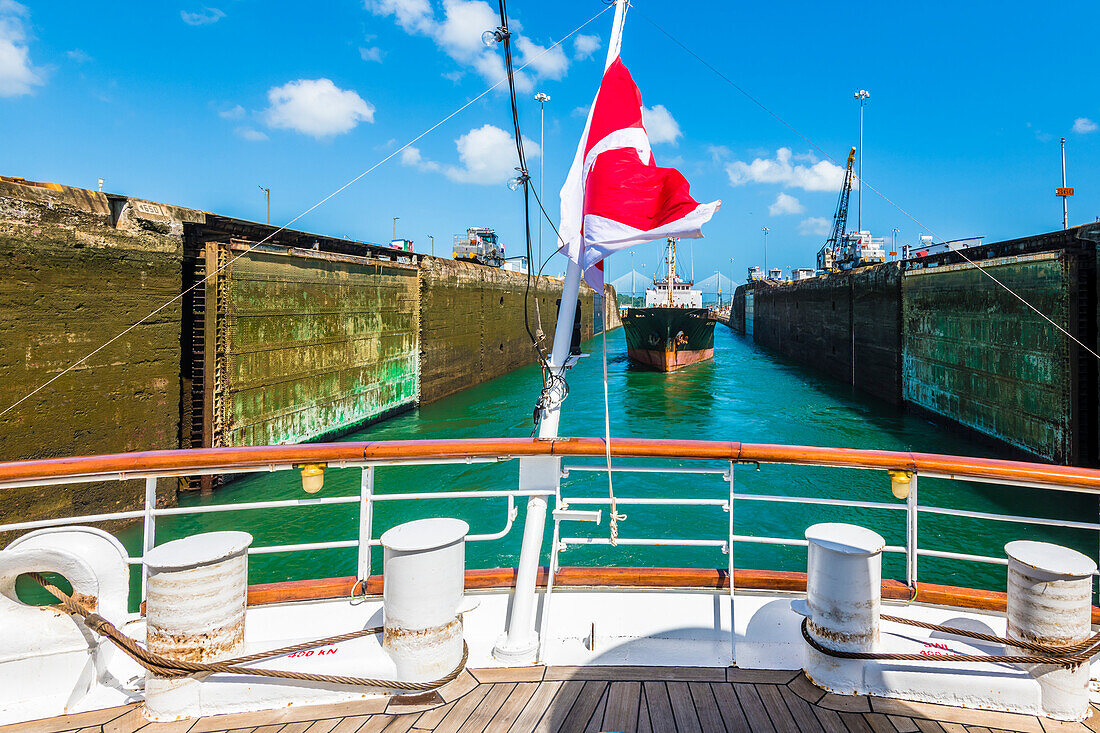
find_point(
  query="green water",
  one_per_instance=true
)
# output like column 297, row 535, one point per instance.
column 744, row 394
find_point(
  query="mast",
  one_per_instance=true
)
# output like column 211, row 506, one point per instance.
column 671, row 267
column 520, row 642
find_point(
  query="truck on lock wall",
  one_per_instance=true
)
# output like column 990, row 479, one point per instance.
column 481, row 245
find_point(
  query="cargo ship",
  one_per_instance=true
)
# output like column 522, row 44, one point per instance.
column 673, row 329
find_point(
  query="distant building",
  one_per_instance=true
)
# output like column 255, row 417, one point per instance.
column 802, row 273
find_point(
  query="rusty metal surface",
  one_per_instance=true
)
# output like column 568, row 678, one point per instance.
column 313, row 346
column 976, row 355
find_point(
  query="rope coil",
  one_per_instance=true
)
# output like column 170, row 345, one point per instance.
column 1070, row 656
column 167, row 667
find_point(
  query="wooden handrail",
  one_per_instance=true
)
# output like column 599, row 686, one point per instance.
column 230, row 459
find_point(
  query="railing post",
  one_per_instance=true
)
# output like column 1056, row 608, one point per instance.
column 149, row 528
column 729, row 540
column 520, row 641
column 366, row 522
column 912, row 514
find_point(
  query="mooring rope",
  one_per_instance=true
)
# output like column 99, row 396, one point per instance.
column 167, row 667
column 1068, row 655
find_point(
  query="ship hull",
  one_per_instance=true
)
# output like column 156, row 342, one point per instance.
column 667, row 339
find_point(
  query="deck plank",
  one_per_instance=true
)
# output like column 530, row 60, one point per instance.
column 754, row 708
column 805, row 689
column 962, row 716
column 660, row 709
column 879, row 723
column 623, row 700
column 374, row 724
column 510, row 710
column 928, row 726
column 319, row 726
column 706, row 707
column 903, row 724
column 728, row 707
column 683, row 707
column 465, row 705
column 830, row 720
column 644, row 724
column 401, row 723
column 347, row 725
column 558, row 709
column 71, row 721
column 429, row 719
column 777, row 709
column 584, row 706
column 595, row 723
column 489, row 675
column 536, row 707
column 855, row 722
column 761, row 676
column 479, row 718
column 802, row 711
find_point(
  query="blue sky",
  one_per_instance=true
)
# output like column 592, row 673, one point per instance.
column 198, row 105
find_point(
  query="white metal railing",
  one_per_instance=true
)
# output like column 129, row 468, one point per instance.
column 565, row 511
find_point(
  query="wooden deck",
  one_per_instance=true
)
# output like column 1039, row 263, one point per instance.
column 650, row 699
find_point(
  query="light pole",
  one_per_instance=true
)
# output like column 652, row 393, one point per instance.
column 433, row 244
column 542, row 98
column 732, row 289
column 894, row 246
column 1065, row 199
column 862, row 95
column 267, row 194
column 395, row 226
column 765, row 230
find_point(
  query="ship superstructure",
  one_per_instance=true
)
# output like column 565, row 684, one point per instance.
column 673, row 329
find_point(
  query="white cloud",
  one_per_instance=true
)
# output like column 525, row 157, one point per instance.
column 487, row 155
column 235, row 112
column 250, row 134
column 458, row 34
column 316, row 107
column 1083, row 126
column 17, row 74
column 206, row 16
column 78, row 56
column 718, row 153
column 454, row 76
column 660, row 125
column 550, row 64
column 581, row 111
column 785, row 204
column 411, row 157
column 820, row 175
column 372, row 53
column 818, row 225
column 415, row 16
column 584, row 46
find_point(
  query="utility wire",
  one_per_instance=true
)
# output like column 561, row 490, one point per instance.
column 312, row 208
column 874, row 190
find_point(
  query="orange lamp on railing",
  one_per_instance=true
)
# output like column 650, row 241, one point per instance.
column 899, row 483
column 313, row 477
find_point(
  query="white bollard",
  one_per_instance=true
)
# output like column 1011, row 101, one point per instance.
column 424, row 579
column 844, row 585
column 195, row 608
column 1050, row 602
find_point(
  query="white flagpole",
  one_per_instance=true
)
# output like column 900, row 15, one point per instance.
column 520, row 641
column 563, row 332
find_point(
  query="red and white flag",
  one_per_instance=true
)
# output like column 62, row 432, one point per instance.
column 615, row 195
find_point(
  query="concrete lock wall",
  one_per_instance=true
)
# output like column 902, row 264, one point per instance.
column 977, row 355
column 79, row 268
column 830, row 320
column 315, row 344
column 472, row 323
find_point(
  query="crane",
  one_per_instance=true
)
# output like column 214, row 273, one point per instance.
column 826, row 256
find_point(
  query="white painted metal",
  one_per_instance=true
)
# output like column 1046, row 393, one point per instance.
column 644, row 542
column 424, row 571
column 843, row 592
column 196, row 612
column 1050, row 602
column 366, row 522
column 149, row 526
column 912, row 536
column 1016, row 519
column 49, row 661
column 821, row 502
